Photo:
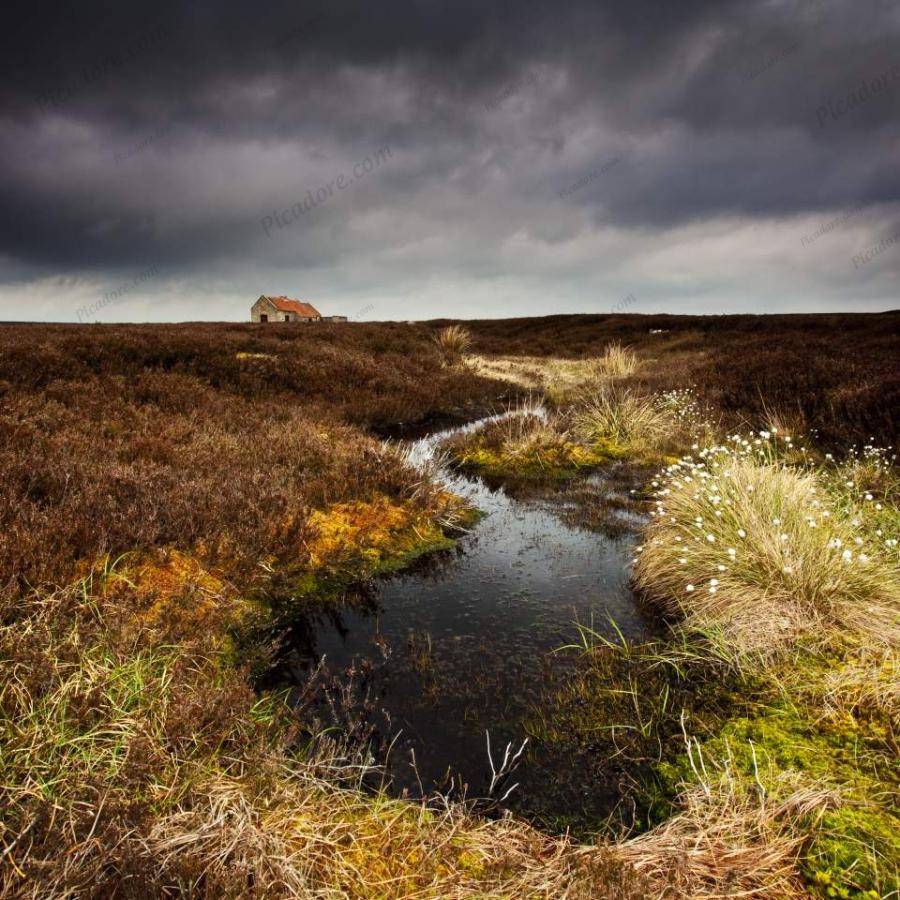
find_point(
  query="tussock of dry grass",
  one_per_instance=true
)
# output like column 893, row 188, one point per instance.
column 746, row 545
column 617, row 361
column 132, row 767
column 623, row 417
column 730, row 841
column 528, row 430
column 529, row 442
column 453, row 342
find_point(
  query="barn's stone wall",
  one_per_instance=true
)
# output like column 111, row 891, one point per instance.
column 265, row 307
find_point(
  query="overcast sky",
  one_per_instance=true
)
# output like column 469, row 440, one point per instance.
column 413, row 159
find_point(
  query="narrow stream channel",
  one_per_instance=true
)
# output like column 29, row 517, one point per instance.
column 465, row 642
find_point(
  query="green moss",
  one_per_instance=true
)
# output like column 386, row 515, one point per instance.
column 365, row 564
column 470, row 862
column 406, row 556
column 855, row 848
column 856, row 853
column 617, row 715
column 624, row 704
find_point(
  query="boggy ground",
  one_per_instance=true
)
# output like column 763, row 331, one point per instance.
column 164, row 488
column 164, row 492
column 755, row 742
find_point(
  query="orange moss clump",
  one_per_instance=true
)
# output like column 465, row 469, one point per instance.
column 178, row 594
column 175, row 592
column 365, row 538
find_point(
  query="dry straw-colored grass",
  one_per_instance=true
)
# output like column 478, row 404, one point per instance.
column 625, row 417
column 453, row 342
column 134, row 768
column 743, row 544
column 556, row 378
column 617, row 361
column 869, row 680
column 529, row 441
column 561, row 380
column 730, row 841
column 527, row 430
column 306, row 839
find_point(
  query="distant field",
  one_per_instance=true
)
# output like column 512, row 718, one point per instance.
column 835, row 373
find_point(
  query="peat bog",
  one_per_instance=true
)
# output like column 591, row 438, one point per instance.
column 466, row 643
column 191, row 517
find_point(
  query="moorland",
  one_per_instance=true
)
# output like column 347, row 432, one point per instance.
column 165, row 491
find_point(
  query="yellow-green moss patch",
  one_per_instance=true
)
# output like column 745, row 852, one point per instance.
column 365, row 538
column 564, row 459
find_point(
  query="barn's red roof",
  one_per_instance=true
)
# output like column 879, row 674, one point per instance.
column 286, row 304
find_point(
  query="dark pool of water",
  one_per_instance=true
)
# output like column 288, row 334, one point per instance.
column 465, row 643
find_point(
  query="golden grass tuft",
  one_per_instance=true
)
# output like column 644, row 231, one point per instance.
column 729, row 839
column 747, row 546
column 617, row 361
column 527, row 431
column 454, row 342
column 623, row 417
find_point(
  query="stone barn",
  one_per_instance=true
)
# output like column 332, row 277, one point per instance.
column 283, row 309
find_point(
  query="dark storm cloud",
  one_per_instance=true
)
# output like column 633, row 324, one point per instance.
column 166, row 133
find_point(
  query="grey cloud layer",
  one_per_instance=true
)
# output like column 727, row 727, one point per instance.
column 135, row 135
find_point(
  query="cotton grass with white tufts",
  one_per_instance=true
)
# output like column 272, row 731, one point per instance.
column 761, row 531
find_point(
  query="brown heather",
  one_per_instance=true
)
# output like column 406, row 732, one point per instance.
column 835, row 374
column 115, row 440
column 152, row 478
